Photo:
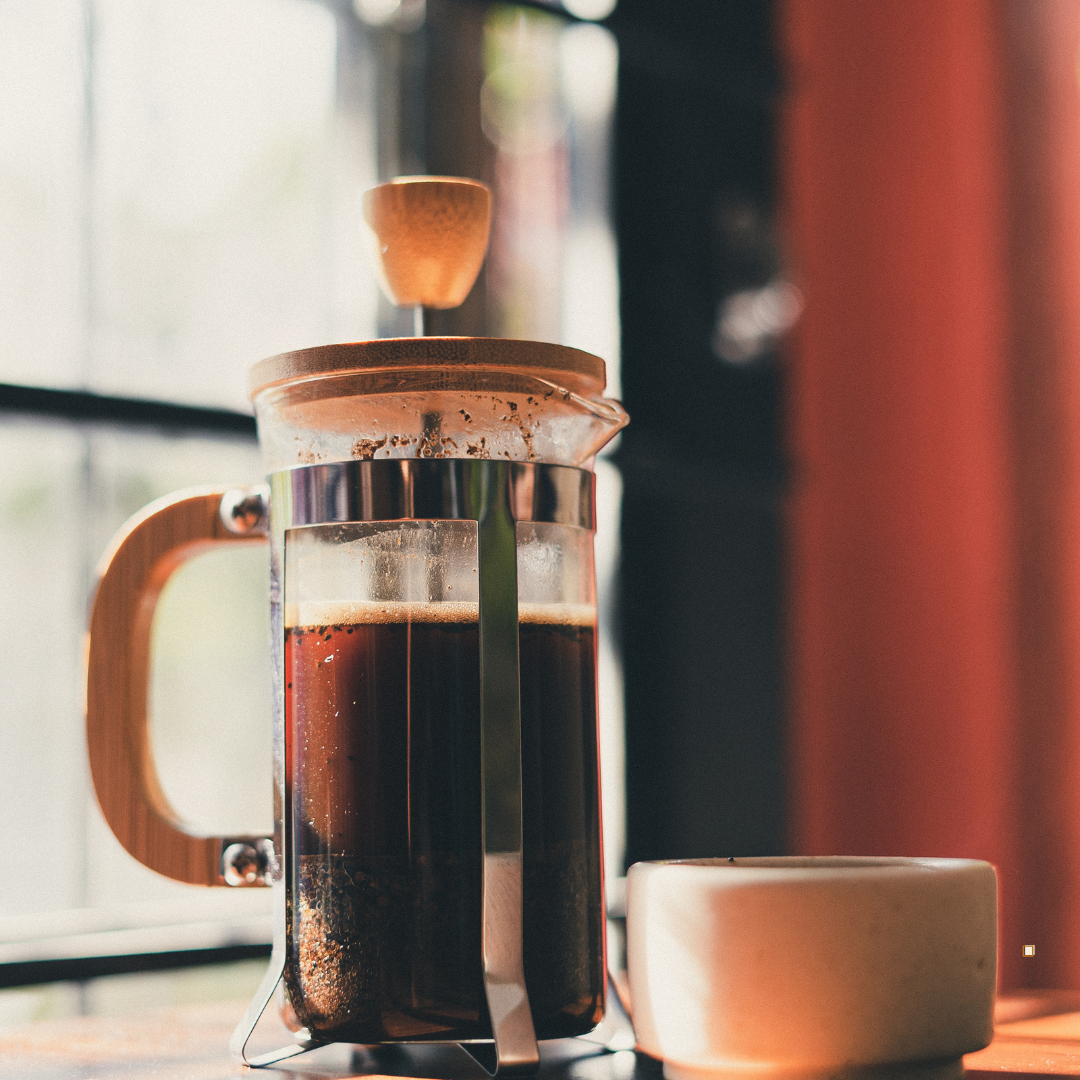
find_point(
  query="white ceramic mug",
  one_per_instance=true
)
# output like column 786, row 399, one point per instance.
column 811, row 967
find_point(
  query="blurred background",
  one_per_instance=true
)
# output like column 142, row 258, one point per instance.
column 830, row 252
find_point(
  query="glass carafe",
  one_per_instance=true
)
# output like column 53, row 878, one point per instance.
column 436, row 855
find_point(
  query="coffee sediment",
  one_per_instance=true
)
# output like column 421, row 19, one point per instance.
column 383, row 769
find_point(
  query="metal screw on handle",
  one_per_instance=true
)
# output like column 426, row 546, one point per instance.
column 246, row 511
column 248, row 863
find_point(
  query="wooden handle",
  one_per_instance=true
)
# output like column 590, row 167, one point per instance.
column 131, row 576
column 432, row 234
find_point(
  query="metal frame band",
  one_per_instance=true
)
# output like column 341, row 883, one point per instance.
column 433, row 489
column 495, row 494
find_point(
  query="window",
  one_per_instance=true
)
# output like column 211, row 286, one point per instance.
column 180, row 196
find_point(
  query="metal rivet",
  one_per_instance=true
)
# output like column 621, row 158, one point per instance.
column 242, row 864
column 246, row 511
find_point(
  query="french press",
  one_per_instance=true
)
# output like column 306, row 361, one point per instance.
column 436, row 858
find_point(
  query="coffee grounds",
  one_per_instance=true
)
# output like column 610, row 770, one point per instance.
column 366, row 955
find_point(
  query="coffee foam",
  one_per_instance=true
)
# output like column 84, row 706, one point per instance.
column 374, row 612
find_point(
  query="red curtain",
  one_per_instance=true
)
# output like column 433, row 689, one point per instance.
column 930, row 159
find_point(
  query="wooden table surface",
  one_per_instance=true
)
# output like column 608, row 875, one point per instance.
column 1038, row 1034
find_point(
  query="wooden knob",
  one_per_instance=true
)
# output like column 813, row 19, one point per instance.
column 432, row 234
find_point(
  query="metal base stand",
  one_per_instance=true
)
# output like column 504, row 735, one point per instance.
column 263, row 996
column 614, row 1033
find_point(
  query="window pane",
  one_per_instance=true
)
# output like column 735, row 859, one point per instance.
column 213, row 126
column 42, row 585
column 42, row 171
column 183, row 204
column 210, row 700
column 63, row 493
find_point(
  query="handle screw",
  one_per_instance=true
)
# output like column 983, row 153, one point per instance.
column 245, row 864
column 246, row 511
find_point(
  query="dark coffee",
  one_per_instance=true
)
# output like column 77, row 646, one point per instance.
column 383, row 771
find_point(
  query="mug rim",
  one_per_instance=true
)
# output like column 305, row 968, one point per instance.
column 817, row 863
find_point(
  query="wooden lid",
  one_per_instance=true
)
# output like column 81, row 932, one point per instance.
column 572, row 369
